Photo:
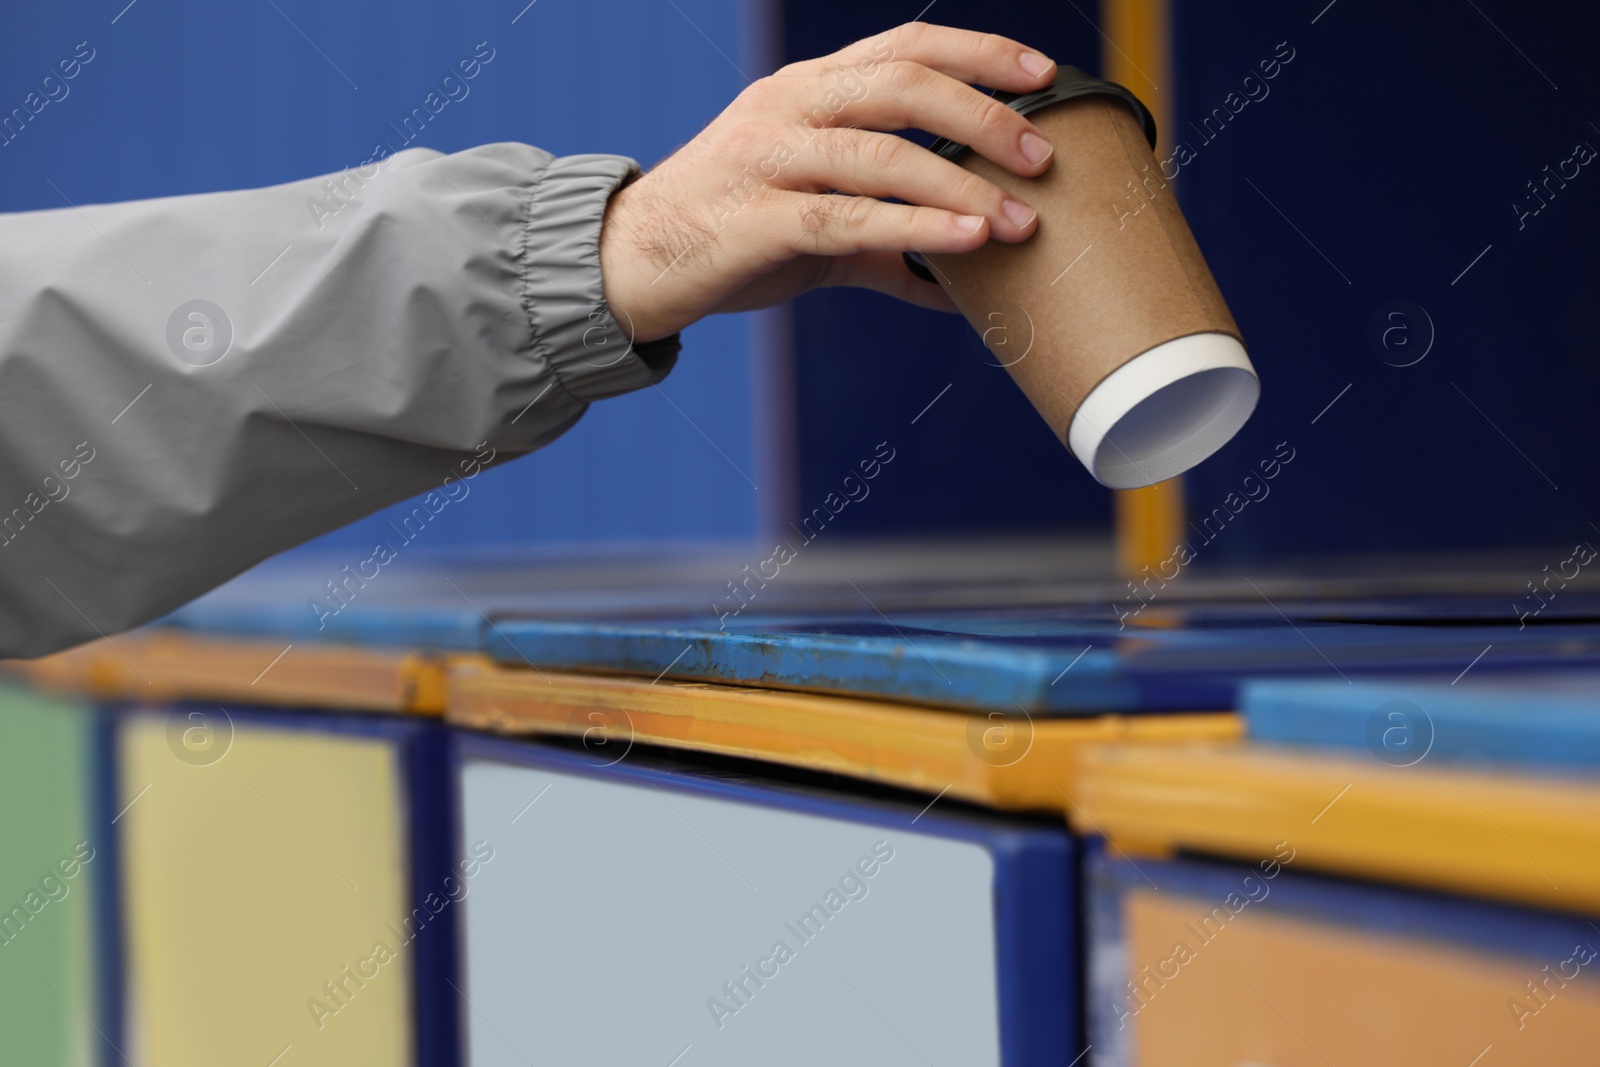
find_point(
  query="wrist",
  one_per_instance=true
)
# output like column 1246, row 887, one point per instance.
column 621, row 277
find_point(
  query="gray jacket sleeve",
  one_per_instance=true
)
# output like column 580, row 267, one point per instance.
column 190, row 385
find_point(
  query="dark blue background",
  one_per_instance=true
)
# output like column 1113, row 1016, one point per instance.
column 1397, row 140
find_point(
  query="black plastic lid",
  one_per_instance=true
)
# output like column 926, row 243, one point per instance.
column 1070, row 84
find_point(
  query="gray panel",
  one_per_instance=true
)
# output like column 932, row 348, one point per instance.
column 612, row 914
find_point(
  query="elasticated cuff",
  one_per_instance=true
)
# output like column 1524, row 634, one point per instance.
column 592, row 356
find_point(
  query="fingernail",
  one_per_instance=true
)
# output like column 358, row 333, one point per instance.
column 1035, row 149
column 1019, row 213
column 1035, row 64
column 970, row 223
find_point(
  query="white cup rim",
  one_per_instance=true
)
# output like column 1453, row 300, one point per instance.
column 1165, row 410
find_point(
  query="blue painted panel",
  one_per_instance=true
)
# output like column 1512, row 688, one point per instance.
column 182, row 96
column 1541, row 719
column 440, row 599
column 1054, row 663
column 443, row 601
column 641, row 616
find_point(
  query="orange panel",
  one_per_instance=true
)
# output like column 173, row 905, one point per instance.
column 1293, row 993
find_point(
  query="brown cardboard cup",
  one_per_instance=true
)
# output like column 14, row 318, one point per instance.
column 1107, row 317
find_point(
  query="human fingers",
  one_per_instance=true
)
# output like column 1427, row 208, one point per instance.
column 841, row 225
column 967, row 55
column 910, row 95
column 883, row 165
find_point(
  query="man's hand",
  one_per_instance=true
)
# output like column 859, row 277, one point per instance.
column 750, row 212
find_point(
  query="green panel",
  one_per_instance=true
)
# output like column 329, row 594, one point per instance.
column 46, row 992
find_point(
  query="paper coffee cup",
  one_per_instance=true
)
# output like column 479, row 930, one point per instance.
column 1108, row 317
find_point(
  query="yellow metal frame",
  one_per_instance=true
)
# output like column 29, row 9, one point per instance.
column 1149, row 783
column 1149, row 521
column 1518, row 838
column 1013, row 764
column 172, row 665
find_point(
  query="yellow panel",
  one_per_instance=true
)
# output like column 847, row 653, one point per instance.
column 1535, row 840
column 171, row 665
column 1015, row 764
column 1292, row 993
column 250, row 882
